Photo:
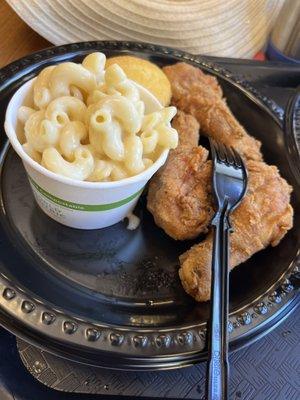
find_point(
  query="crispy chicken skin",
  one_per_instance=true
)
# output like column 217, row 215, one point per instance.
column 188, row 130
column 262, row 219
column 179, row 194
column 200, row 95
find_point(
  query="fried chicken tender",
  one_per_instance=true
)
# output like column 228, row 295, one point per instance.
column 262, row 219
column 179, row 195
column 200, row 95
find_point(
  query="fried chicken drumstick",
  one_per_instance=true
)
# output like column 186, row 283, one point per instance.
column 262, row 219
column 200, row 95
column 179, row 195
column 181, row 202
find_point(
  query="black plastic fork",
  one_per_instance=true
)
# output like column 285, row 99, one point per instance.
column 229, row 185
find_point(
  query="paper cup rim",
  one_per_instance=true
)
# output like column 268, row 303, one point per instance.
column 12, row 136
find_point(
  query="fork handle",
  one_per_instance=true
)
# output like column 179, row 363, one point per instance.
column 217, row 367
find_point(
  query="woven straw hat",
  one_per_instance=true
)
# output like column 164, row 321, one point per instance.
column 232, row 28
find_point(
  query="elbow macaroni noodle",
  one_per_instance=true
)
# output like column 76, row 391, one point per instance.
column 88, row 123
column 72, row 134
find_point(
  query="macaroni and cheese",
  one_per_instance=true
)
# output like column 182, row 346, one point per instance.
column 89, row 123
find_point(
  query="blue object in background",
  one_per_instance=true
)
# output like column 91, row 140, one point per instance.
column 284, row 43
column 273, row 53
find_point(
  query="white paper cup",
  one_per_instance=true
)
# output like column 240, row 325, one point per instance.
column 78, row 204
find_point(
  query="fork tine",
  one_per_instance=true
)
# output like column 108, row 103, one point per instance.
column 215, row 150
column 237, row 159
column 220, row 151
column 230, row 155
column 226, row 154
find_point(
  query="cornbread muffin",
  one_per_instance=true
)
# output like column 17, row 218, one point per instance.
column 146, row 74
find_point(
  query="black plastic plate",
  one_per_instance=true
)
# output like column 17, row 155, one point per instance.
column 112, row 297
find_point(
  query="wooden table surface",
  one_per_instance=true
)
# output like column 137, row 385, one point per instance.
column 17, row 38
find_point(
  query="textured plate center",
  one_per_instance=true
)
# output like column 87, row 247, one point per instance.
column 114, row 262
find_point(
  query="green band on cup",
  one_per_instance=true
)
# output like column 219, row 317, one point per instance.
column 83, row 207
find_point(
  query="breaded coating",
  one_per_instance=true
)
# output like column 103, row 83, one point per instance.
column 200, row 95
column 262, row 219
column 188, row 130
column 179, row 195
